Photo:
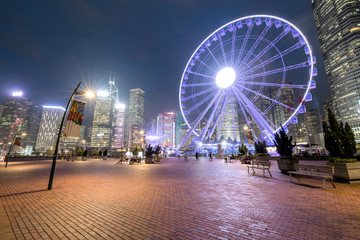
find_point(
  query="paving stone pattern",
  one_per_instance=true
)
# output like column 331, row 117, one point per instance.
column 97, row 199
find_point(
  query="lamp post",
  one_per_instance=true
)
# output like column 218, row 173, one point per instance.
column 88, row 94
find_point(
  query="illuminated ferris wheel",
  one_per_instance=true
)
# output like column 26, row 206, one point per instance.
column 255, row 71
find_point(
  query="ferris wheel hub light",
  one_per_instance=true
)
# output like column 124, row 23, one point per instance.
column 225, row 77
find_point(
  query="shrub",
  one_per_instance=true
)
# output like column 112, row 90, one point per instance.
column 243, row 149
column 157, row 150
column 85, row 153
column 136, row 150
column 283, row 143
column 260, row 147
column 105, row 153
column 149, row 151
column 79, row 153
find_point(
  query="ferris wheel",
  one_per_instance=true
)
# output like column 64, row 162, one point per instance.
column 255, row 72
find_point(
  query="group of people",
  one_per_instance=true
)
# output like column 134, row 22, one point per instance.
column 211, row 156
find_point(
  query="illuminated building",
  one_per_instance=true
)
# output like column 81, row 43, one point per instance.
column 229, row 124
column 135, row 114
column 180, row 127
column 136, row 107
column 31, row 124
column 101, row 129
column 118, row 126
column 15, row 109
column 338, row 27
column 49, row 127
column 165, row 129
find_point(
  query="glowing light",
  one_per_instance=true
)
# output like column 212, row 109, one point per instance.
column 102, row 93
column 120, row 106
column 225, row 77
column 17, row 94
column 246, row 128
column 152, row 137
column 90, row 94
column 223, row 143
column 54, row 107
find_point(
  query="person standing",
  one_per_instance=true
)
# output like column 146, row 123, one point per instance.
column 210, row 156
column 185, row 157
column 197, row 156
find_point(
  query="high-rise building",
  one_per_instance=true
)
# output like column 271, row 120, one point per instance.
column 338, row 27
column 180, row 127
column 135, row 115
column 49, row 127
column 2, row 107
column 31, row 123
column 165, row 129
column 102, row 124
column 313, row 122
column 136, row 107
column 228, row 128
column 118, row 126
column 13, row 117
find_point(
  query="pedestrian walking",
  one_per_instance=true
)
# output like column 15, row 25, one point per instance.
column 197, row 156
column 210, row 156
column 185, row 157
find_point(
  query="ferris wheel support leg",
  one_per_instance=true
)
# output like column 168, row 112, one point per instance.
column 198, row 120
column 260, row 121
column 217, row 118
column 210, row 118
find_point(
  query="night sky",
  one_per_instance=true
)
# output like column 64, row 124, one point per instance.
column 47, row 47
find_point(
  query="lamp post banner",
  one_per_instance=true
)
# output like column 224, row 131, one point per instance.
column 74, row 119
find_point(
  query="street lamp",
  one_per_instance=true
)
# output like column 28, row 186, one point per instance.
column 88, row 94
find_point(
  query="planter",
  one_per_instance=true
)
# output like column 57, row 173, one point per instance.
column 346, row 172
column 287, row 164
column 262, row 157
column 79, row 158
column 84, row 158
column 104, row 158
column 148, row 160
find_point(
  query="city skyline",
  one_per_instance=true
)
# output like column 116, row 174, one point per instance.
column 174, row 46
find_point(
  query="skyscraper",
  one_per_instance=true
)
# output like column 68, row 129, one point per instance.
column 101, row 129
column 338, row 27
column 49, row 127
column 118, row 126
column 135, row 116
column 31, row 124
column 165, row 129
column 14, row 114
column 136, row 107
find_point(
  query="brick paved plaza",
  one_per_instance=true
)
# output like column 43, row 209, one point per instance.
column 97, row 199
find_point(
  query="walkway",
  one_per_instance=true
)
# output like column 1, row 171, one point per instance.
column 97, row 199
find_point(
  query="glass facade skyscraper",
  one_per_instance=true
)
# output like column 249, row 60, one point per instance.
column 338, row 26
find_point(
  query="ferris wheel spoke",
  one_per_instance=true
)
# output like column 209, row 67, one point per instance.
column 278, row 70
column 280, row 85
column 246, row 38
column 212, row 115
column 254, row 46
column 217, row 117
column 197, row 84
column 200, row 103
column 263, row 124
column 198, row 119
column 233, row 117
column 233, row 46
column 198, row 94
column 222, row 49
column 273, row 100
column 206, row 65
column 269, row 46
column 212, row 55
column 202, row 75
column 277, row 56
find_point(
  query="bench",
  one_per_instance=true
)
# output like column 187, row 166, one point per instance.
column 324, row 172
column 135, row 160
column 122, row 160
column 263, row 165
